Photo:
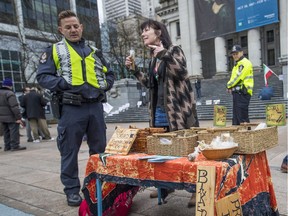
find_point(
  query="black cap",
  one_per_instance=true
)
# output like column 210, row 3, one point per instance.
column 236, row 48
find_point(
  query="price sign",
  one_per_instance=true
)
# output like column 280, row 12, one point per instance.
column 121, row 141
column 275, row 115
column 220, row 115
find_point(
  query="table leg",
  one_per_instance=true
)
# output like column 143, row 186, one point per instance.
column 99, row 196
column 159, row 196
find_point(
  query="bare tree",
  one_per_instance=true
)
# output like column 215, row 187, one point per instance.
column 123, row 35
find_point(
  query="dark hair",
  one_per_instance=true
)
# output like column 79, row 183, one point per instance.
column 158, row 27
column 65, row 14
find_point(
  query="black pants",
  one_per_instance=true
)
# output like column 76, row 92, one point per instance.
column 75, row 122
column 11, row 135
column 240, row 108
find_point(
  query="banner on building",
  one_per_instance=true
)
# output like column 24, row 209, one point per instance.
column 216, row 18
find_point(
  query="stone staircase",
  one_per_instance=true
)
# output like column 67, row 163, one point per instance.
column 213, row 91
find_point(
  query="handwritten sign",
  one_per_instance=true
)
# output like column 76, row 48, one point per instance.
column 220, row 115
column 205, row 189
column 121, row 141
column 229, row 206
column 275, row 115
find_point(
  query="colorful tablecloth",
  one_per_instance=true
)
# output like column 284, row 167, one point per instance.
column 249, row 175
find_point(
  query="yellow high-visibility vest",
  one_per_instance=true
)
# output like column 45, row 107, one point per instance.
column 76, row 70
column 242, row 75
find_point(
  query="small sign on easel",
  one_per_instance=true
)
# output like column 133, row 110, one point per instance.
column 275, row 115
column 220, row 115
column 121, row 141
column 205, row 190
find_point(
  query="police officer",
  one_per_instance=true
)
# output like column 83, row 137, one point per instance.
column 240, row 85
column 73, row 68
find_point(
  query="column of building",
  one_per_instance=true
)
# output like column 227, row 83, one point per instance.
column 189, row 42
column 283, row 8
column 73, row 6
column 220, row 57
column 254, row 49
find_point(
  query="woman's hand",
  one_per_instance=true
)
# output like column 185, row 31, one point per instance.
column 156, row 48
column 129, row 61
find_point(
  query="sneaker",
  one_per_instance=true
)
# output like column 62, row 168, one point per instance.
column 37, row 141
column 74, row 199
column 19, row 148
column 48, row 139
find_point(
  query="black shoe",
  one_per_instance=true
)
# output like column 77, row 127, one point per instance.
column 7, row 149
column 30, row 140
column 19, row 148
column 74, row 199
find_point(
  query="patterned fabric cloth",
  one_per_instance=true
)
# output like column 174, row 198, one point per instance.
column 240, row 174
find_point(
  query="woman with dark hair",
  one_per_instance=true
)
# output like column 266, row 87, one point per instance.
column 172, row 103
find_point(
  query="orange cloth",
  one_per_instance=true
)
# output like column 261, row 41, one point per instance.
column 249, row 175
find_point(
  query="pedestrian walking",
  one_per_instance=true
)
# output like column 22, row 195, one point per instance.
column 80, row 86
column 25, row 91
column 10, row 117
column 34, row 105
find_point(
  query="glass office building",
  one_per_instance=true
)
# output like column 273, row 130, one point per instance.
column 39, row 18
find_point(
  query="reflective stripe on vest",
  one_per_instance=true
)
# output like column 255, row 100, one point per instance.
column 67, row 64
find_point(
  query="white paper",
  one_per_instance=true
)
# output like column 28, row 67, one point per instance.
column 107, row 107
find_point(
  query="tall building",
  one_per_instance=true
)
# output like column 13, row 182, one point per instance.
column 118, row 9
column 28, row 26
column 149, row 7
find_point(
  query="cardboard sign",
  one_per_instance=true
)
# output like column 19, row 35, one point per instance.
column 229, row 206
column 205, row 190
column 121, row 141
column 275, row 115
column 220, row 115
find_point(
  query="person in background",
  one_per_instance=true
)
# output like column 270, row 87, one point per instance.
column 25, row 91
column 284, row 165
column 172, row 104
column 10, row 117
column 80, row 76
column 34, row 104
column 240, row 85
column 198, row 87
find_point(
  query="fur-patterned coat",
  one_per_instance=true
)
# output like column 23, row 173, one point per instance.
column 179, row 100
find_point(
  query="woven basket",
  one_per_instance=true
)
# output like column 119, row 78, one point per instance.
column 172, row 144
column 249, row 141
column 140, row 143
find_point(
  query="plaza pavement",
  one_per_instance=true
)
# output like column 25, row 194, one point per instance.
column 30, row 183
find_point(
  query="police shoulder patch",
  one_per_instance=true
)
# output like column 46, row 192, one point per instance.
column 43, row 58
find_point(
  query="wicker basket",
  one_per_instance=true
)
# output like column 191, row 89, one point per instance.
column 218, row 154
column 172, row 144
column 249, row 141
column 140, row 143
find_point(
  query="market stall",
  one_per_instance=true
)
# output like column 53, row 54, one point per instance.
column 246, row 175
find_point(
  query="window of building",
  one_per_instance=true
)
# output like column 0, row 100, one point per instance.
column 10, row 67
column 270, row 36
column 42, row 14
column 229, row 44
column 178, row 29
column 271, row 56
column 7, row 13
column 244, row 41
